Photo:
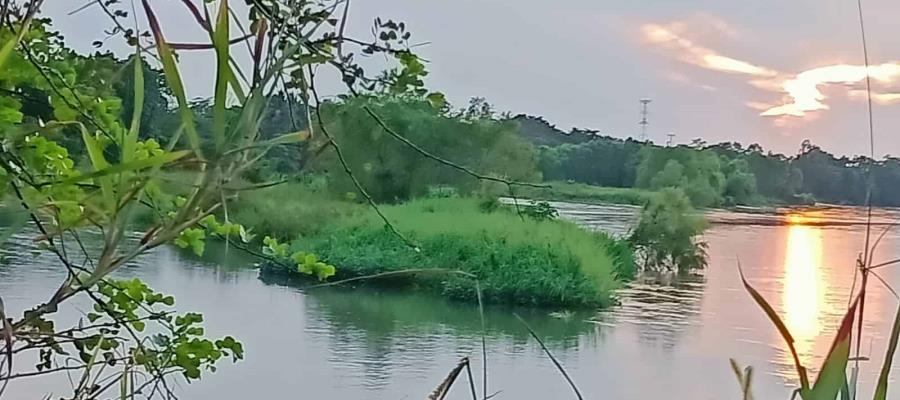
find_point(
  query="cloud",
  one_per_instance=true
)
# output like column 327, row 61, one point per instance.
column 801, row 91
column 880, row 98
column 684, row 80
column 690, row 52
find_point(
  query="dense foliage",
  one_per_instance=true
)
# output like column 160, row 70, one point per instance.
column 393, row 171
column 518, row 261
column 666, row 235
column 75, row 163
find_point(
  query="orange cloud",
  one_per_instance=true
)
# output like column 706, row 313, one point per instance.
column 701, row 56
column 804, row 92
column 801, row 91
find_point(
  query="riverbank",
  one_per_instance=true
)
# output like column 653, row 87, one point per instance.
column 584, row 193
column 523, row 261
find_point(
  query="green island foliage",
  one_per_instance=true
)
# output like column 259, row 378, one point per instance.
column 526, row 261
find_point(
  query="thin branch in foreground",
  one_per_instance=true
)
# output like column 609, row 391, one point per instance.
column 347, row 170
column 867, row 261
column 440, row 392
column 552, row 358
column 471, row 380
column 394, row 273
column 444, row 161
column 484, row 361
column 886, row 284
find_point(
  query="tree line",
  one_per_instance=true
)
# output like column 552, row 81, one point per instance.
column 713, row 175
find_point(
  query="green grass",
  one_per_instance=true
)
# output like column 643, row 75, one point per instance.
column 541, row 263
column 291, row 209
column 584, row 193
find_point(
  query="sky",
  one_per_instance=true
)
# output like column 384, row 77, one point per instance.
column 765, row 71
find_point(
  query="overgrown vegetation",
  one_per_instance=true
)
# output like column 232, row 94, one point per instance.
column 667, row 233
column 73, row 160
column 392, row 171
column 543, row 262
column 291, row 209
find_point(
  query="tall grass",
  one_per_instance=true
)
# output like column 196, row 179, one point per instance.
column 290, row 209
column 518, row 261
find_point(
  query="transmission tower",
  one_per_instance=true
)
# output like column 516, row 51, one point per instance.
column 644, row 122
column 671, row 141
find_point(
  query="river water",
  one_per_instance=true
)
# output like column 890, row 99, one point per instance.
column 671, row 337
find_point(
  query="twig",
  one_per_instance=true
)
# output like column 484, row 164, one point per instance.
column 394, row 273
column 441, row 391
column 347, row 170
column 471, row 380
column 444, row 161
column 886, row 284
column 552, row 358
column 484, row 361
column 866, row 260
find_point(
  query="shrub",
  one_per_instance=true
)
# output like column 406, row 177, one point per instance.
column 541, row 263
column 666, row 233
column 540, row 211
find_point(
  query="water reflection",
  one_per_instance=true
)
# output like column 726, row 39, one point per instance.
column 660, row 305
column 803, row 296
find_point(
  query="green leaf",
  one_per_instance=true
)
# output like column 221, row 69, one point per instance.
column 288, row 138
column 173, row 77
column 833, row 375
column 323, row 271
column 95, row 153
column 437, row 100
column 782, row 329
column 128, row 167
column 7, row 50
column 128, row 147
column 139, row 325
column 220, row 38
column 881, row 389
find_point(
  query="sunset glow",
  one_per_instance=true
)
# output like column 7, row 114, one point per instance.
column 804, row 88
column 801, row 92
column 698, row 55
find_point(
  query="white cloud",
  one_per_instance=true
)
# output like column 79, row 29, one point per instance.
column 801, row 91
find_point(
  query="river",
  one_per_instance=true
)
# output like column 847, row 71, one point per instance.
column 671, row 337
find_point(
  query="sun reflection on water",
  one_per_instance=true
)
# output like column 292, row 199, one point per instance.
column 803, row 297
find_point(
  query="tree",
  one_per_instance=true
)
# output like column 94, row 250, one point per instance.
column 72, row 163
column 391, row 171
column 666, row 235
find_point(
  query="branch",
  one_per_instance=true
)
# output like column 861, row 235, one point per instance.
column 444, row 161
column 347, row 170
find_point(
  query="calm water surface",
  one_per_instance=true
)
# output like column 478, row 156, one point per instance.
column 671, row 337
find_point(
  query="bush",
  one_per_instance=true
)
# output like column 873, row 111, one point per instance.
column 666, row 234
column 540, row 211
column 541, row 263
